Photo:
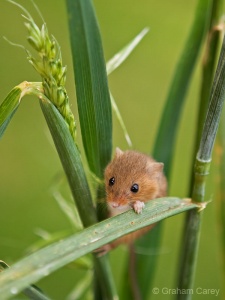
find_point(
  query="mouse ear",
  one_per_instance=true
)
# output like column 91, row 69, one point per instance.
column 155, row 168
column 119, row 152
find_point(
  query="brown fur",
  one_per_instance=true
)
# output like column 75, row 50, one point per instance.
column 128, row 168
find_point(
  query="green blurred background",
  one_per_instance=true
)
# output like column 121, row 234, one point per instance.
column 29, row 162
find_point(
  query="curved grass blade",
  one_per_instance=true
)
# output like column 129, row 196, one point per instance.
column 122, row 55
column 65, row 145
column 71, row 162
column 8, row 108
column 190, row 241
column 209, row 64
column 33, row 292
column 10, row 104
column 165, row 140
column 120, row 119
column 53, row 257
column 81, row 288
column 113, row 64
column 179, row 86
column 201, row 170
column 91, row 85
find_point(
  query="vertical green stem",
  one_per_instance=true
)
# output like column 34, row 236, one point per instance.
column 103, row 289
column 189, row 253
column 71, row 161
column 179, row 86
column 165, row 141
column 220, row 147
column 202, row 165
column 208, row 65
column 105, row 280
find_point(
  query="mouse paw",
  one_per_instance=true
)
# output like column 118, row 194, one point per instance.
column 138, row 206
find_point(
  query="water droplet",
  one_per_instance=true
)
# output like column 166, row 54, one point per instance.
column 14, row 290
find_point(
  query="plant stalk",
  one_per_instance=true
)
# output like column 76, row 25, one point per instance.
column 164, row 145
column 201, row 170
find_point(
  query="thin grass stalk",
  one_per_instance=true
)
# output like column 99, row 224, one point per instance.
column 179, row 86
column 220, row 184
column 113, row 64
column 193, row 219
column 208, row 65
column 201, row 170
column 209, row 60
column 102, row 266
column 165, row 140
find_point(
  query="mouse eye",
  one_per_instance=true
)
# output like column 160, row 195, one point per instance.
column 111, row 181
column 134, row 188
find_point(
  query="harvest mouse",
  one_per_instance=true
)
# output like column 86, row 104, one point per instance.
column 131, row 179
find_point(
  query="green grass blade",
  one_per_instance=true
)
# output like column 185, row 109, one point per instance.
column 120, row 119
column 53, row 257
column 33, row 292
column 179, row 86
column 71, row 162
column 12, row 101
column 81, row 287
column 192, row 225
column 91, row 84
column 113, row 64
column 65, row 145
column 48, row 63
column 165, row 140
column 215, row 109
column 122, row 55
column 201, row 170
column 9, row 107
column 208, row 65
column 220, row 167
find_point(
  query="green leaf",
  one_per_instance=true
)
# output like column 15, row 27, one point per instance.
column 208, row 64
column 214, row 111
column 122, row 55
column 13, row 99
column 33, row 292
column 120, row 119
column 202, row 164
column 53, row 257
column 165, row 141
column 220, row 203
column 65, row 145
column 113, row 64
column 9, row 107
column 91, row 85
column 71, row 162
column 81, row 287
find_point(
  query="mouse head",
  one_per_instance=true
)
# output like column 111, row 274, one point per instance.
column 131, row 176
